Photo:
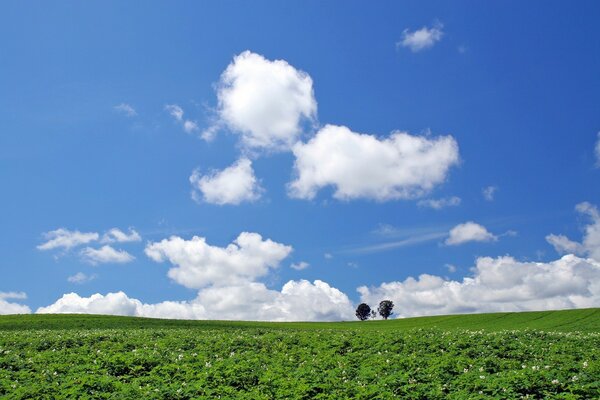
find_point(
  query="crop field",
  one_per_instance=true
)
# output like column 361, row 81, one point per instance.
column 535, row 355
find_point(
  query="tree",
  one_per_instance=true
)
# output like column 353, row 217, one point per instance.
column 373, row 314
column 363, row 311
column 385, row 308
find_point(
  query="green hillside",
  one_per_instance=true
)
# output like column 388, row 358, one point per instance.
column 583, row 320
column 540, row 355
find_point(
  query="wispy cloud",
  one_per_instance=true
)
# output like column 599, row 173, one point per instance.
column 489, row 192
column 80, row 278
column 438, row 204
column 300, row 265
column 125, row 109
column 177, row 113
column 409, row 241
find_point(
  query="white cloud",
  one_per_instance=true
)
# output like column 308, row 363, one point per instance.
column 7, row 307
column 405, row 242
column 117, row 235
column 363, row 166
column 489, row 192
column 233, row 185
column 297, row 301
column 590, row 245
column 597, row 151
column 497, row 284
column 126, row 109
column 421, row 39
column 105, row 254
column 299, row 266
column 198, row 264
column 80, row 277
column 438, row 204
column 177, row 112
column 328, row 256
column 265, row 101
column 66, row 239
column 469, row 232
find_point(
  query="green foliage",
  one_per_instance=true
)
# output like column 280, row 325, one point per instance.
column 385, row 308
column 363, row 311
column 302, row 361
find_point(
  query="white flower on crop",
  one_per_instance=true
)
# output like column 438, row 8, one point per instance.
column 466, row 370
column 574, row 378
column 585, row 364
column 555, row 381
column 481, row 376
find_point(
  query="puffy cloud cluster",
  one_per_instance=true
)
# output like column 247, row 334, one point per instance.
column 497, row 284
column 469, row 232
column 421, row 39
column 233, row 185
column 7, row 307
column 297, row 301
column 66, row 240
column 363, row 166
column 198, row 264
column 590, row 245
column 268, row 104
column 265, row 101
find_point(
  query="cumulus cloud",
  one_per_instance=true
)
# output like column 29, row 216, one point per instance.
column 7, row 307
column 438, row 204
column 497, row 285
column 363, row 166
column 198, row 264
column 66, row 239
column 80, row 278
column 265, row 101
column 297, row 301
column 590, row 245
column 469, row 232
column 489, row 192
column 117, row 235
column 299, row 266
column 177, row 113
column 233, row 185
column 421, row 39
column 105, row 254
column 126, row 110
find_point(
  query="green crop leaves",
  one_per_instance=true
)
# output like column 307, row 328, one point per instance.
column 262, row 363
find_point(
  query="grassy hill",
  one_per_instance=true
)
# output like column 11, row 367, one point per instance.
column 549, row 355
column 583, row 320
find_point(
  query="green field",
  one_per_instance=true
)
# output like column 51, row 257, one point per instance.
column 503, row 355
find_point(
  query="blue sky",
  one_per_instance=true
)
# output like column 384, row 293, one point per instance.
column 503, row 96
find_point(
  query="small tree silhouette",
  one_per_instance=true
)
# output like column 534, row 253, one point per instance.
column 385, row 308
column 373, row 314
column 363, row 311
